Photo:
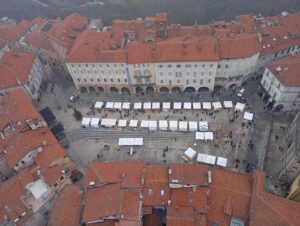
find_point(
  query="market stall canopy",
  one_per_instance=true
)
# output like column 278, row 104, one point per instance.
column 137, row 105
column 196, row 105
column 239, row 106
column 190, row 153
column 122, row 123
column 173, row 125
column 163, row 124
column 106, row 122
column 109, row 105
column 177, row 105
column 126, row 105
column 155, row 105
column 209, row 159
column 248, row 116
column 133, row 123
column 131, row 141
column 187, row 105
column 217, row 105
column 95, row 122
column 228, row 104
column 98, row 105
column 206, row 105
column 193, row 126
column 222, row 161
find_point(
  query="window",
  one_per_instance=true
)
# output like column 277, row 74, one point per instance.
column 195, row 65
column 209, row 80
column 203, row 65
column 219, row 65
column 169, row 66
column 161, row 73
column 201, row 81
column 116, row 72
column 274, row 95
column 91, row 79
column 178, row 80
column 161, row 81
column 178, row 65
column 84, row 79
column 170, row 82
column 112, row 80
column 79, row 65
column 125, row 79
column 210, row 73
column 78, row 80
column 107, row 65
column 170, row 73
column 278, row 86
column 202, row 73
column 105, row 80
column 86, row 65
column 178, row 74
column 194, row 80
column 188, row 73
column 98, row 79
column 115, row 65
column 211, row 65
column 195, row 73
column 226, row 66
column 188, row 65
column 160, row 66
column 187, row 82
column 118, row 80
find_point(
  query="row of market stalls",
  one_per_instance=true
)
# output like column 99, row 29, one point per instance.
column 190, row 154
column 163, row 125
column 165, row 106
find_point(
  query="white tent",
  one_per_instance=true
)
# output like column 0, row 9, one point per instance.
column 133, row 123
column 183, row 126
column 221, row 161
column 187, row 105
column 193, row 126
column 207, row 105
column 98, row 105
column 200, row 136
column 217, row 105
column 203, row 126
column 228, row 104
column 144, row 124
column 147, row 106
column 137, row 106
column 177, row 105
column 248, row 116
column 131, row 141
column 152, row 125
column 95, row 122
column 166, row 106
column 239, row 106
column 196, row 105
column 190, row 153
column 109, row 105
column 173, row 125
column 85, row 122
column 209, row 159
column 155, row 105
column 163, row 124
column 126, row 105
column 118, row 105
column 122, row 123
column 209, row 135
column 106, row 122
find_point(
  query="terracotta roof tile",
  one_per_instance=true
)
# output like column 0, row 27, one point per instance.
column 66, row 209
column 39, row 39
column 51, row 174
column 50, row 155
column 14, row 32
column 130, row 206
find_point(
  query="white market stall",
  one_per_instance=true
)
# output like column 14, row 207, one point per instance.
column 239, row 106
column 131, row 141
column 187, row 105
column 137, row 106
column 183, row 126
column 95, row 122
column 122, row 123
column 193, row 126
column 217, row 105
column 106, row 122
column 144, row 124
column 190, row 153
column 163, row 125
column 203, row 126
column 166, row 106
column 200, row 136
column 173, row 125
column 152, row 125
column 85, row 122
column 248, row 116
column 155, row 106
column 196, row 105
column 177, row 105
column 221, row 161
column 147, row 106
column 209, row 136
column 109, row 105
column 98, row 105
column 118, row 105
column 133, row 123
column 208, row 159
column 206, row 105
column 228, row 104
column 126, row 105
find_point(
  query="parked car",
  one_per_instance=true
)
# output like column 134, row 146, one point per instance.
column 241, row 92
column 73, row 98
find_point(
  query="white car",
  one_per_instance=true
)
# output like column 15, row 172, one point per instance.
column 241, row 92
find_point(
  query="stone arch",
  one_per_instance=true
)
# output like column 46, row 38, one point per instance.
column 164, row 90
column 176, row 90
column 203, row 89
column 139, row 89
column 219, row 88
column 113, row 90
column 150, row 89
column 100, row 90
column 125, row 90
column 189, row 89
column 83, row 89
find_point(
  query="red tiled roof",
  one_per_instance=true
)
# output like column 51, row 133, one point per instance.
column 25, row 177
column 50, row 155
column 2, row 43
column 51, row 174
column 130, row 209
column 39, row 39
column 289, row 70
column 128, row 173
column 14, row 32
column 178, row 216
column 66, row 210
column 15, row 67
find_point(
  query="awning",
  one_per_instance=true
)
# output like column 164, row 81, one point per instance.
column 196, row 105
column 173, row 125
column 152, row 125
column 137, row 105
column 190, row 153
column 228, row 104
column 217, row 105
column 207, row 105
column 118, row 105
column 166, row 105
column 133, row 123
column 147, row 106
column 183, row 125
column 95, row 122
column 209, row 159
column 122, row 123
column 193, row 126
column 200, row 136
column 203, row 126
column 131, row 141
column 86, row 122
column 106, row 122
column 209, row 136
column 109, row 105
column 187, row 105
column 239, row 106
column 155, row 105
column 177, row 105
column 248, row 116
column 222, row 161
column 98, row 105
column 126, row 105
column 163, row 124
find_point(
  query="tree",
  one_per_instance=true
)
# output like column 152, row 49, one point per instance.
column 77, row 114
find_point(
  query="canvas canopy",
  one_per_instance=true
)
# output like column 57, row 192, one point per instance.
column 106, row 122
column 177, row 105
column 248, row 116
column 166, row 106
column 239, row 106
column 118, row 105
column 221, row 161
column 193, row 126
column 183, row 125
column 173, row 125
column 85, row 122
column 203, row 126
column 187, row 105
column 155, row 105
column 122, row 123
column 152, row 125
column 131, row 141
column 200, row 136
column 209, row 136
column 98, row 105
column 133, row 123
column 206, row 105
column 190, row 153
column 196, row 105
column 217, row 105
column 144, row 123
column 95, row 122
column 109, row 105
column 126, row 105
column 228, row 104
column 147, row 106
column 137, row 105
column 163, row 124
column 209, row 159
